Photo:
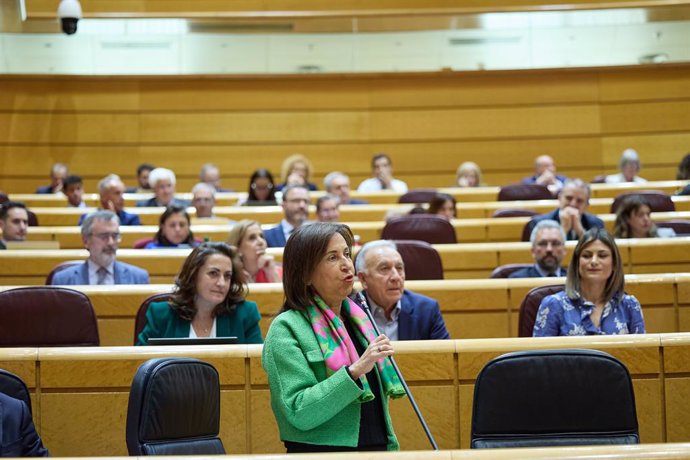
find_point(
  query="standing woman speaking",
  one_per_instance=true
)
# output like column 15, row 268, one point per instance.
column 327, row 372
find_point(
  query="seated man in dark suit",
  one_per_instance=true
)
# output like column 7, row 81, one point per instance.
column 399, row 314
column 100, row 233
column 338, row 184
column 111, row 190
column 57, row 174
column 545, row 174
column 162, row 182
column 18, row 437
column 296, row 211
column 548, row 251
column 14, row 222
column 573, row 201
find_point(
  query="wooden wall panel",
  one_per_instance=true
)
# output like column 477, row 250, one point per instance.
column 502, row 120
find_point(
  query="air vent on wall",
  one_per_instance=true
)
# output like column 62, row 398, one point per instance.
column 239, row 27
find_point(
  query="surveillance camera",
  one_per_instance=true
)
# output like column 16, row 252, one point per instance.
column 69, row 13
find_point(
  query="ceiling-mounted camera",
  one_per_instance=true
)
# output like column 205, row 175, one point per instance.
column 69, row 12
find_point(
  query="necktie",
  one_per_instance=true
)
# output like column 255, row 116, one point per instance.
column 102, row 273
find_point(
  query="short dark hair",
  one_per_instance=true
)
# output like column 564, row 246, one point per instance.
column 144, row 167
column 7, row 205
column 684, row 168
column 182, row 301
column 326, row 197
column 439, row 200
column 377, row 157
column 621, row 228
column 615, row 284
column 71, row 180
column 262, row 173
column 304, row 250
column 169, row 211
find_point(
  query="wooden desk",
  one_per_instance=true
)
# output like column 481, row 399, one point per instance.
column 80, row 394
column 460, row 261
column 471, row 308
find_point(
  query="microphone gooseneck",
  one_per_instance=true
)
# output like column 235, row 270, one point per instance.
column 365, row 306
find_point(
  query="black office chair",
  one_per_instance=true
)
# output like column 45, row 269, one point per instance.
column 174, row 409
column 14, row 387
column 545, row 398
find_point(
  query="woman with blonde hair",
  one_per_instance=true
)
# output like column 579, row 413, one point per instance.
column 250, row 242
column 296, row 169
column 468, row 175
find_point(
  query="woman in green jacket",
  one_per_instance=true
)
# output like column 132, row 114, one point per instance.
column 208, row 300
column 327, row 372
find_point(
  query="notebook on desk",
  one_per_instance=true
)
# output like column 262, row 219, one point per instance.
column 192, row 340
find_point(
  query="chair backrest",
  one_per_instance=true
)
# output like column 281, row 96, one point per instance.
column 424, row 227
column 530, row 305
column 544, row 398
column 139, row 244
column 4, row 198
column 14, row 387
column 658, row 201
column 174, row 409
column 418, row 195
column 527, row 231
column 140, row 320
column 681, row 227
column 46, row 316
column 503, row 271
column 512, row 212
column 422, row 261
column 524, row 192
column 59, row 267
column 33, row 219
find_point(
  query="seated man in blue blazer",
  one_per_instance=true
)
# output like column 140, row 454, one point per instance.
column 399, row 314
column 111, row 190
column 18, row 437
column 100, row 233
column 548, row 251
column 295, row 210
column 571, row 213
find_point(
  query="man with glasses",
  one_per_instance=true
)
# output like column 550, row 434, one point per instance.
column 101, row 235
column 548, row 251
column 295, row 211
column 573, row 201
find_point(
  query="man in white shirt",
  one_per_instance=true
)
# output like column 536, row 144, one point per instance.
column 101, row 235
column 382, row 167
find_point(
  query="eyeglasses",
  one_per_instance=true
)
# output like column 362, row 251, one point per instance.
column 105, row 237
column 262, row 187
column 546, row 243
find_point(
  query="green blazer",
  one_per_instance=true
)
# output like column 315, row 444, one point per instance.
column 242, row 322
column 310, row 407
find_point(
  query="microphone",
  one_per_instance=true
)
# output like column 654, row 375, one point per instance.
column 365, row 306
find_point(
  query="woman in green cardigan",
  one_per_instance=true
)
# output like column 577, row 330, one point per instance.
column 208, row 300
column 327, row 373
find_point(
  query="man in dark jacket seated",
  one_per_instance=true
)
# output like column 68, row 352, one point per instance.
column 548, row 251
column 18, row 435
column 573, row 202
column 400, row 314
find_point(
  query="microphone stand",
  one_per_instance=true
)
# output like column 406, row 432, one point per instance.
column 365, row 307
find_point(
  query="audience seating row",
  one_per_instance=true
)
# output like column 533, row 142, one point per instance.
column 462, row 195
column 80, row 395
column 460, row 261
column 63, row 216
column 471, row 308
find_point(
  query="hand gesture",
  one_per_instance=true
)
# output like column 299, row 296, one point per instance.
column 378, row 349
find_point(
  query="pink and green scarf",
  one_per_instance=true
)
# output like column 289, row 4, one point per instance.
column 338, row 349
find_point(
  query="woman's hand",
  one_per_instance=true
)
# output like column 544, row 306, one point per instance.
column 378, row 349
column 267, row 263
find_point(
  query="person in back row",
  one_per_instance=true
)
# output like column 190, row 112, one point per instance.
column 594, row 301
column 548, row 251
column 295, row 211
column 633, row 220
column 73, row 189
column 573, row 201
column 162, row 182
column 58, row 172
column 327, row 208
column 629, row 166
column 14, row 222
column 338, row 184
column 545, row 174
column 111, row 190
column 400, row 314
column 100, row 233
column 382, row 168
